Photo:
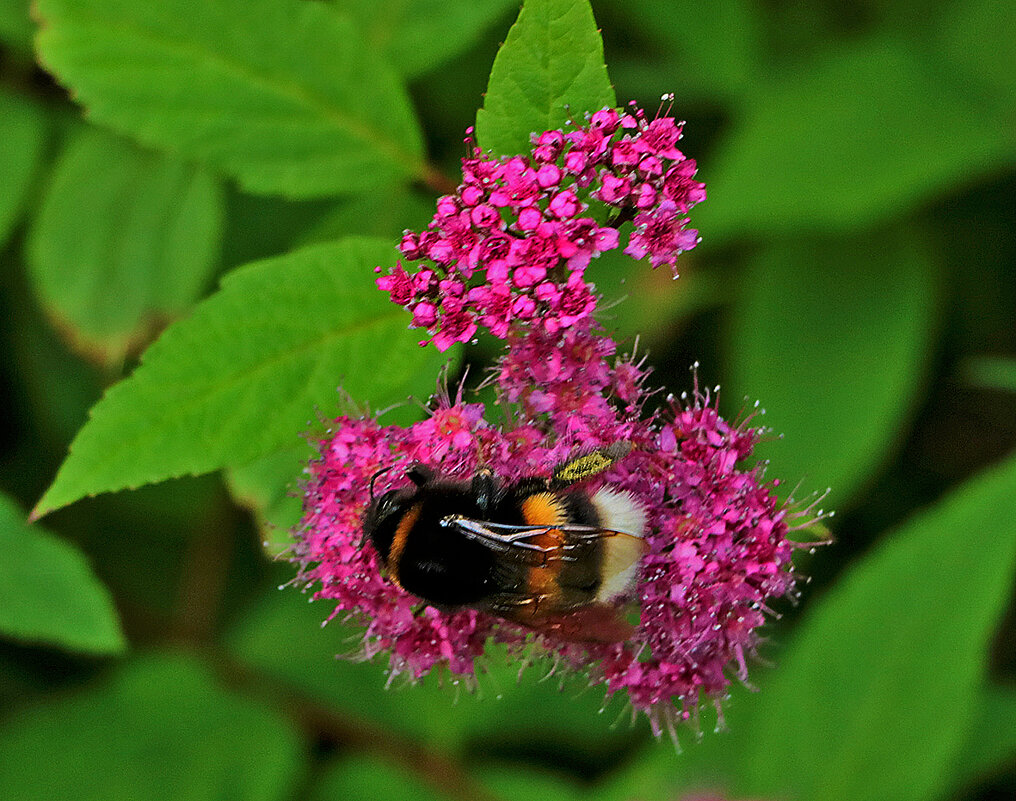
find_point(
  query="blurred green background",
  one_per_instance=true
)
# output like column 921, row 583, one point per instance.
column 856, row 276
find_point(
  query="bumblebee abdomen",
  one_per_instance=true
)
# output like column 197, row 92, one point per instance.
column 618, row 511
column 588, row 569
column 571, row 576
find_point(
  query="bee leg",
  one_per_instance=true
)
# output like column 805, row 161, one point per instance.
column 510, row 603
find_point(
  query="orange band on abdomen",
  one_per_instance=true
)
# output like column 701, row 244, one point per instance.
column 545, row 509
column 399, row 542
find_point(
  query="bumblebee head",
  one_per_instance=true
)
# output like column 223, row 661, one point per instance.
column 386, row 512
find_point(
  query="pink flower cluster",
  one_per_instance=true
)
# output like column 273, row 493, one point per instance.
column 717, row 536
column 514, row 241
column 508, row 253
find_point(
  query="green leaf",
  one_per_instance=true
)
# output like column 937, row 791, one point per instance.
column 261, row 226
column 536, row 785
column 977, row 39
column 248, row 371
column 23, row 133
column 886, row 672
column 124, row 239
column 990, row 744
column 284, row 636
column 549, row 70
column 861, row 136
column 283, row 95
column 269, row 487
column 48, row 593
column 421, row 35
column 992, row 372
column 16, row 27
column 649, row 304
column 706, row 50
column 158, row 728
column 366, row 777
column 833, row 337
column 387, row 214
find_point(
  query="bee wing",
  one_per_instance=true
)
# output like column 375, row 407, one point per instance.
column 506, row 540
column 515, row 540
column 602, row 623
column 567, row 609
column 579, row 622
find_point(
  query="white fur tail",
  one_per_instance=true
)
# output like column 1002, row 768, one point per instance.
column 618, row 511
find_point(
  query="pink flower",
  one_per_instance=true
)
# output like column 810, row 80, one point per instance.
column 533, row 217
column 565, row 205
column 508, row 253
column 398, row 284
column 661, row 235
column 424, row 314
column 680, row 189
column 718, row 548
column 614, row 189
column 548, row 148
column 660, row 138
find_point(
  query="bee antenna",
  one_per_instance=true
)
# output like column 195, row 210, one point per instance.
column 375, row 477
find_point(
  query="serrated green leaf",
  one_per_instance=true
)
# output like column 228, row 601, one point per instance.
column 861, row 136
column 990, row 744
column 366, row 777
column 124, row 239
column 283, row 95
column 832, row 336
column 23, row 133
column 158, row 728
column 246, row 373
column 418, row 36
column 48, row 593
column 886, row 671
column 16, row 27
column 549, row 70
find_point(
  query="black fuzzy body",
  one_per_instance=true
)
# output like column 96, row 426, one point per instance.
column 449, row 569
column 440, row 564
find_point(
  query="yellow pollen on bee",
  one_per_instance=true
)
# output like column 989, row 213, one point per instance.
column 584, row 466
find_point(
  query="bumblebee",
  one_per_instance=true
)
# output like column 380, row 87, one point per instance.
column 540, row 552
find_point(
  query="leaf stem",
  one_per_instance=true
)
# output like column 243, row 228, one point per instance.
column 434, row 179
